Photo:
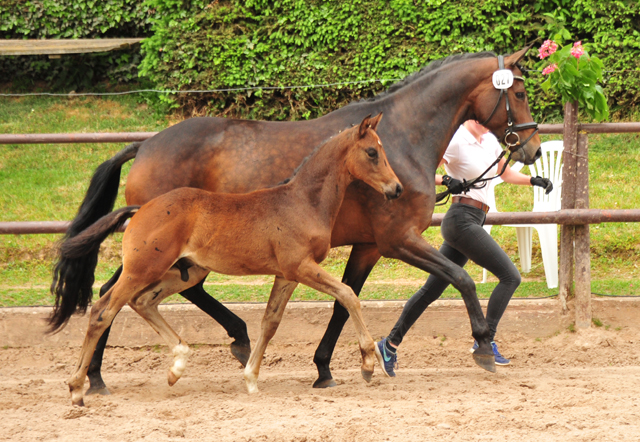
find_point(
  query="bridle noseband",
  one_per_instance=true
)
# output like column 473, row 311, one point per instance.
column 512, row 129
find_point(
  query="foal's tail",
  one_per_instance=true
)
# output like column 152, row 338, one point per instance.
column 73, row 274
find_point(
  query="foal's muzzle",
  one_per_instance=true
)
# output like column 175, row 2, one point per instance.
column 394, row 192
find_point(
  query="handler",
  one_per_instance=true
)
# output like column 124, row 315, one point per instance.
column 471, row 151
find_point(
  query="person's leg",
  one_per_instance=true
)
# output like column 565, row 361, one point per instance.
column 420, row 300
column 482, row 249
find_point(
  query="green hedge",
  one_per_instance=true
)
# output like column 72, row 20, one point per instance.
column 304, row 42
column 53, row 19
column 217, row 44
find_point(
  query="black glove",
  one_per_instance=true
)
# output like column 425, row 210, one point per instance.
column 545, row 183
column 454, row 185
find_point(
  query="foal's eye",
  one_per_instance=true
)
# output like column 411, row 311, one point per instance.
column 520, row 95
column 372, row 152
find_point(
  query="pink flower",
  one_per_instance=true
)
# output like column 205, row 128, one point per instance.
column 577, row 49
column 547, row 48
column 549, row 69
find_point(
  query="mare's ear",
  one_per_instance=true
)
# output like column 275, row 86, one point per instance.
column 375, row 120
column 511, row 60
column 364, row 125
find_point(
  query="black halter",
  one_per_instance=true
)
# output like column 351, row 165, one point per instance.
column 511, row 130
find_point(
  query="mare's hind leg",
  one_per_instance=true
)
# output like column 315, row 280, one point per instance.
column 101, row 316
column 280, row 295
column 361, row 260
column 314, row 276
column 236, row 328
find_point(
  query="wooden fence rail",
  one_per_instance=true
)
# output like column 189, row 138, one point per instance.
column 575, row 216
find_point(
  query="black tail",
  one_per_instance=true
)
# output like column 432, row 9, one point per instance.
column 102, row 192
column 73, row 274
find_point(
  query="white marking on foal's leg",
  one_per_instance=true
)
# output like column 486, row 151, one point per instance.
column 251, row 379
column 180, row 355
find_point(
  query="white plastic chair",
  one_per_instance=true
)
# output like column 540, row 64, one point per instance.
column 547, row 166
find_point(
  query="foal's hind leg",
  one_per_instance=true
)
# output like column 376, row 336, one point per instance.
column 280, row 295
column 146, row 305
column 101, row 316
column 96, row 384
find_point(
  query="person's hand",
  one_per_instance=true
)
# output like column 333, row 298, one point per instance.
column 545, row 183
column 454, row 185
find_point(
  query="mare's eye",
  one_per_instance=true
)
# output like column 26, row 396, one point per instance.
column 372, row 152
column 520, row 95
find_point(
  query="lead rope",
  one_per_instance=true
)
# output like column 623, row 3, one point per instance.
column 476, row 183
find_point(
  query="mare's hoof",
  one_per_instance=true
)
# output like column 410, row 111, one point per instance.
column 241, row 352
column 366, row 375
column 172, row 378
column 324, row 383
column 488, row 362
column 104, row 391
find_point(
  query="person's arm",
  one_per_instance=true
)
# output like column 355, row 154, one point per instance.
column 512, row 177
column 439, row 177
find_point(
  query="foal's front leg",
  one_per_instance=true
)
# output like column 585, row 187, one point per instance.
column 280, row 295
column 314, row 276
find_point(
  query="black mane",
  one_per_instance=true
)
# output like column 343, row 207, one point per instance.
column 436, row 64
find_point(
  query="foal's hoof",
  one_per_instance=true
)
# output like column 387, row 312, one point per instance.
column 79, row 403
column 104, row 391
column 241, row 352
column 488, row 362
column 324, row 383
column 172, row 378
column 366, row 374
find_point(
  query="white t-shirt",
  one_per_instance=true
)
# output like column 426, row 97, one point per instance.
column 467, row 159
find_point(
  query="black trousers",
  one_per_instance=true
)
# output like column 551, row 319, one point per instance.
column 464, row 239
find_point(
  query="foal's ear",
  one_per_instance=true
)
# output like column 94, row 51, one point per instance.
column 375, row 120
column 511, row 60
column 366, row 123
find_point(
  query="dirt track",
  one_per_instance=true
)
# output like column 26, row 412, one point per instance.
column 562, row 386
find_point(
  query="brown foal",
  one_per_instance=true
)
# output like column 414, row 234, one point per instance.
column 176, row 239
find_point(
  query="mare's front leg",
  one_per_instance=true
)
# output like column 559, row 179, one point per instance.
column 280, row 295
column 413, row 249
column 314, row 276
column 361, row 260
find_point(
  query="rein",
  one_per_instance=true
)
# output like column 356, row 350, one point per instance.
column 511, row 130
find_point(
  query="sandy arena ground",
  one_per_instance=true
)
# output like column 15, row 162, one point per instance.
column 562, row 386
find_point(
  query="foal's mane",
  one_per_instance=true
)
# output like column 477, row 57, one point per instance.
column 425, row 70
column 313, row 152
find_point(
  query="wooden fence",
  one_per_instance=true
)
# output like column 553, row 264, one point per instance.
column 574, row 216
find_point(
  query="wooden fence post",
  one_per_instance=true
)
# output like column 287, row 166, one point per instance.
column 570, row 140
column 582, row 237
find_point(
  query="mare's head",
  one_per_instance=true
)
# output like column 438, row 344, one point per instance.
column 500, row 103
column 367, row 160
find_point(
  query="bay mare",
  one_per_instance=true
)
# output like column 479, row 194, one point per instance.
column 422, row 112
column 176, row 239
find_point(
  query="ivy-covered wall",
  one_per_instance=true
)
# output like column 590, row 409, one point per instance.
column 51, row 19
column 213, row 44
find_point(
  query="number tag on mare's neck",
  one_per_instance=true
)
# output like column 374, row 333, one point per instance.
column 503, row 79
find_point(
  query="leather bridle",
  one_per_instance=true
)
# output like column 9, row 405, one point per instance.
column 512, row 129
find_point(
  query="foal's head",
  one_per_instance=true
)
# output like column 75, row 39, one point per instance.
column 367, row 160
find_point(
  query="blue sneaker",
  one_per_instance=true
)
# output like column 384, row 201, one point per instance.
column 388, row 361
column 500, row 360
